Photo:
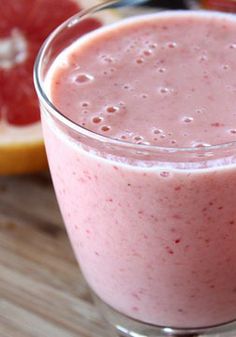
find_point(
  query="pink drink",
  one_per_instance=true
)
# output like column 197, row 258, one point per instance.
column 155, row 238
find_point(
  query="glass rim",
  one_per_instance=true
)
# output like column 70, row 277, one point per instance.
column 66, row 121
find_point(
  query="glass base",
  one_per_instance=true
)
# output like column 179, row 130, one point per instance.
column 124, row 326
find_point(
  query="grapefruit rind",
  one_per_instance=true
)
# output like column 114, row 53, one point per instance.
column 23, row 158
column 10, row 134
column 21, row 149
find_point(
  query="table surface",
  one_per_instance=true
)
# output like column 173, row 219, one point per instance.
column 42, row 292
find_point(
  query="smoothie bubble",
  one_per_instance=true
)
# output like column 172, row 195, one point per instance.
column 157, row 131
column 171, row 45
column 84, row 104
column 138, row 138
column 153, row 45
column 164, row 91
column 161, row 70
column 165, row 174
column 107, row 59
column 112, row 109
column 97, row 119
column 144, row 96
column 83, row 78
column 147, row 52
column 127, row 87
column 188, row 119
column 203, row 58
column 225, row 67
column 105, row 128
column 140, row 60
column 232, row 46
column 233, row 131
column 199, row 110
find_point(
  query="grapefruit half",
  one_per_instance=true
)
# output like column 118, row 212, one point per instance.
column 24, row 25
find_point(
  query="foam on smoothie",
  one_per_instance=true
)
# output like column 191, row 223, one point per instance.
column 148, row 85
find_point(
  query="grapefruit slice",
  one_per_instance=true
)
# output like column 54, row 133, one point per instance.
column 24, row 25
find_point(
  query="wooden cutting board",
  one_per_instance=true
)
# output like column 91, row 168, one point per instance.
column 42, row 292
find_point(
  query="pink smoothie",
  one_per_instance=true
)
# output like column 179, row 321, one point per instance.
column 155, row 235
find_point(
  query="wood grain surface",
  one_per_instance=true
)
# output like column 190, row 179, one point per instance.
column 42, row 292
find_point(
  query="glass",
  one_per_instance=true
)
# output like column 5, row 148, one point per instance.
column 174, row 279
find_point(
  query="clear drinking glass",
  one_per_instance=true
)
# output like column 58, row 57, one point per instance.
column 133, row 213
